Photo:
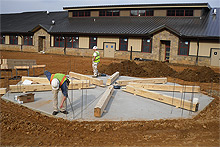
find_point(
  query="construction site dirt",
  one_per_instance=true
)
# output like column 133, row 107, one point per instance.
column 21, row 126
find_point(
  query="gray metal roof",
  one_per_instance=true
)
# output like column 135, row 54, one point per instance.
column 206, row 26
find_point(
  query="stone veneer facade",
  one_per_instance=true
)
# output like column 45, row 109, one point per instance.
column 158, row 49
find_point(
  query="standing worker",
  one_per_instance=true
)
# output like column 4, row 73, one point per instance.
column 58, row 81
column 95, row 61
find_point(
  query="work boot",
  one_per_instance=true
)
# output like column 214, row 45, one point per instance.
column 55, row 113
column 64, row 112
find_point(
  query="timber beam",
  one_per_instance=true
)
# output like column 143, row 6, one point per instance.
column 82, row 84
column 112, row 78
column 147, row 80
column 37, row 80
column 163, row 87
column 94, row 81
column 102, row 103
column 185, row 104
column 2, row 90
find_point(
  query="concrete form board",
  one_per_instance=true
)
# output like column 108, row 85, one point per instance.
column 122, row 106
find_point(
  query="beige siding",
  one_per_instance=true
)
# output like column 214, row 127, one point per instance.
column 94, row 13
column 70, row 14
column 204, row 48
column 135, row 43
column 193, row 48
column 83, row 42
column 160, row 12
column 19, row 40
column 124, row 13
column 197, row 13
column 101, row 40
column 52, row 41
column 6, row 39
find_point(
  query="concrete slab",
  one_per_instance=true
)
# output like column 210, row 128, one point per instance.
column 122, row 106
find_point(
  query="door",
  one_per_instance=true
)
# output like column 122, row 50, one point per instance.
column 109, row 50
column 215, row 57
column 167, row 51
column 41, row 41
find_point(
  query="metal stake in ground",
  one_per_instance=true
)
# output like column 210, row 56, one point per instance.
column 82, row 102
column 191, row 101
column 183, row 98
column 173, row 96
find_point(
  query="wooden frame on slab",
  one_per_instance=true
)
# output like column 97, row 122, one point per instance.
column 185, row 104
column 163, row 87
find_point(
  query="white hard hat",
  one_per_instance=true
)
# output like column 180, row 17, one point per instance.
column 94, row 47
column 55, row 84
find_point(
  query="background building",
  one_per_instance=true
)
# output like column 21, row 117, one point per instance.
column 178, row 33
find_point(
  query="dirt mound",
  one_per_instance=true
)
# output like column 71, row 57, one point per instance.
column 125, row 68
column 157, row 69
column 145, row 69
column 201, row 74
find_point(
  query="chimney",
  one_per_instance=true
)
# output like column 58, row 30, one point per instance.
column 214, row 11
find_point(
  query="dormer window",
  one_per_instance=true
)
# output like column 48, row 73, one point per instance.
column 109, row 13
column 148, row 12
column 81, row 13
column 180, row 12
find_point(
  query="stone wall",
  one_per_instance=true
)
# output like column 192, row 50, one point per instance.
column 158, row 49
column 10, row 47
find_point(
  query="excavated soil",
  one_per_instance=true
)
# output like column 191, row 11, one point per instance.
column 158, row 69
column 21, row 126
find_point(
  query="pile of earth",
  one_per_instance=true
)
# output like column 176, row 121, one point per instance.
column 200, row 74
column 150, row 69
column 146, row 69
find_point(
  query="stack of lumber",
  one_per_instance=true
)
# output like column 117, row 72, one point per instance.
column 11, row 63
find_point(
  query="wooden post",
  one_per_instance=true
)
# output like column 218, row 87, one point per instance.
column 102, row 103
column 197, row 53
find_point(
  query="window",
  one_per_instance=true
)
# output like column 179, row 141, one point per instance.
column 92, row 42
column 123, row 44
column 146, row 45
column 189, row 12
column 180, row 12
column 72, row 42
column 184, row 48
column 28, row 40
column 109, row 13
column 2, row 39
column 13, row 40
column 81, row 13
column 147, row 12
column 59, row 41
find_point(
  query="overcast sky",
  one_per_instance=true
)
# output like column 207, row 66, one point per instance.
column 18, row 6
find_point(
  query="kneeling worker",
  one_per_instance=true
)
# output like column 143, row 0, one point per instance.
column 58, row 81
